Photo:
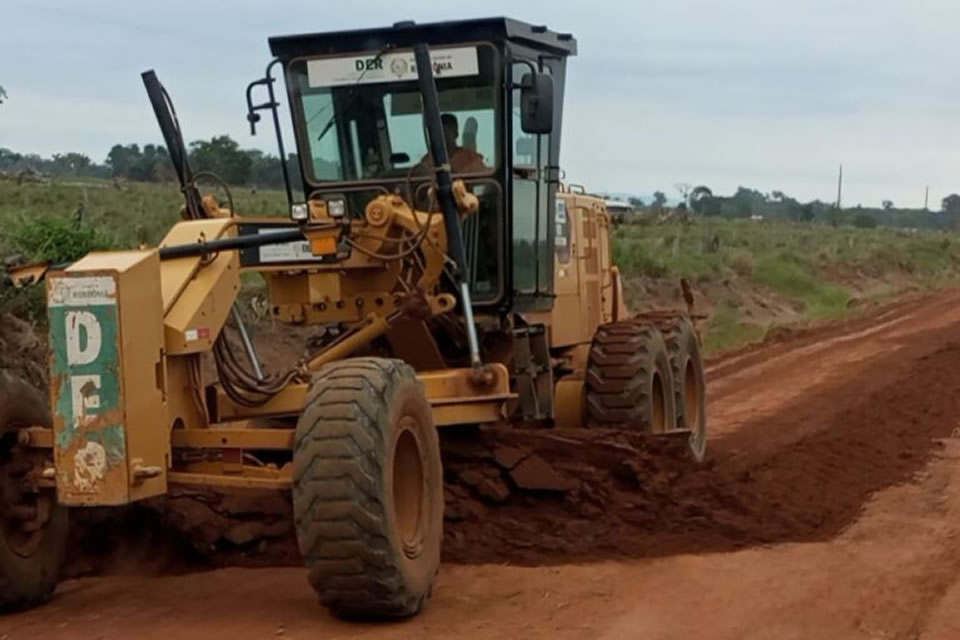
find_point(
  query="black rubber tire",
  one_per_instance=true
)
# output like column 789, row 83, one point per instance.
column 629, row 379
column 367, row 560
column 27, row 579
column 683, row 345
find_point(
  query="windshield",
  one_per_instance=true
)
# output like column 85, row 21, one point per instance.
column 359, row 117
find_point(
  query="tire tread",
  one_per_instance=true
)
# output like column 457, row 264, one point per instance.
column 341, row 519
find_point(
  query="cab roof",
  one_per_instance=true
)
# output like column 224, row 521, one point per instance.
column 407, row 34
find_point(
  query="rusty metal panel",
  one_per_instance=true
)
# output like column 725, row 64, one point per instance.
column 108, row 395
column 86, row 391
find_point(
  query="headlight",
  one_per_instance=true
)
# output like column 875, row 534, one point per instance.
column 337, row 208
column 299, row 211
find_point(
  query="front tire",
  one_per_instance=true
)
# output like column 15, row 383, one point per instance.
column 33, row 527
column 368, row 489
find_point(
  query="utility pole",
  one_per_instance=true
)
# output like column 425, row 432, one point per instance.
column 840, row 188
column 926, row 199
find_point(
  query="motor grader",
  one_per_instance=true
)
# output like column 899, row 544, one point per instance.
column 454, row 280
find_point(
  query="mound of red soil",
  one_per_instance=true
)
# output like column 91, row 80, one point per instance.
column 628, row 496
column 542, row 497
column 23, row 351
column 803, row 473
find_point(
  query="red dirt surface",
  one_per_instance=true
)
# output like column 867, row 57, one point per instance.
column 828, row 508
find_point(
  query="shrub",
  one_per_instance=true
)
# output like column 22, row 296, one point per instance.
column 46, row 239
column 741, row 262
column 56, row 239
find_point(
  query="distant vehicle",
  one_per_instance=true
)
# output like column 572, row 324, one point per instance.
column 619, row 211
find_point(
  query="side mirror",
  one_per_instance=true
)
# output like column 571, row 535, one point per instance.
column 536, row 103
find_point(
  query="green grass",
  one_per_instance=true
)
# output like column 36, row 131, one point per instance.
column 812, row 269
column 796, row 279
column 721, row 248
column 727, row 331
column 138, row 213
column 64, row 221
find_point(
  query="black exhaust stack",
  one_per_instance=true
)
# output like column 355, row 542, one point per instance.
column 173, row 138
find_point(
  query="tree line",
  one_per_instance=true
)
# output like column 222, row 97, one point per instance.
column 252, row 167
column 151, row 163
column 777, row 205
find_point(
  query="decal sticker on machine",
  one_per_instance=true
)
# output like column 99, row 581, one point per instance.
column 562, row 232
column 82, row 292
column 390, row 67
column 296, row 251
column 192, row 335
column 561, row 212
column 85, row 384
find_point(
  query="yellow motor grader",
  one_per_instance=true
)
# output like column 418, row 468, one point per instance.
column 458, row 280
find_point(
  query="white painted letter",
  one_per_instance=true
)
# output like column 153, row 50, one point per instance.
column 78, row 353
column 83, row 398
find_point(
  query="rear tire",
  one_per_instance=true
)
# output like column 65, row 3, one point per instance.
column 31, row 551
column 368, row 489
column 629, row 379
column 683, row 345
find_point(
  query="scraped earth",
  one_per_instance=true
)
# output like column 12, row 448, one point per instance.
column 829, row 507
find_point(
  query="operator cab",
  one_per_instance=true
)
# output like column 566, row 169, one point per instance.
column 360, row 132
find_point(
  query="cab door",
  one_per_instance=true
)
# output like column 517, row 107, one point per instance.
column 533, row 197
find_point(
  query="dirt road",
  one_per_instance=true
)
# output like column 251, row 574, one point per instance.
column 830, row 508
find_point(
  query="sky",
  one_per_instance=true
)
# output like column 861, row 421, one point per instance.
column 769, row 94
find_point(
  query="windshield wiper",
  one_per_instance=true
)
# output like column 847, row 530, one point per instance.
column 354, row 93
column 326, row 128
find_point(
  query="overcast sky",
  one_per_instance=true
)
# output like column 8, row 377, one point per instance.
column 764, row 93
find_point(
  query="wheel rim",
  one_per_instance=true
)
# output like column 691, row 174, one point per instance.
column 691, row 397
column 698, row 445
column 658, row 415
column 409, row 488
column 692, row 416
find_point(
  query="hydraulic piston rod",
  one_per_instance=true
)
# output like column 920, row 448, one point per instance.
column 451, row 217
